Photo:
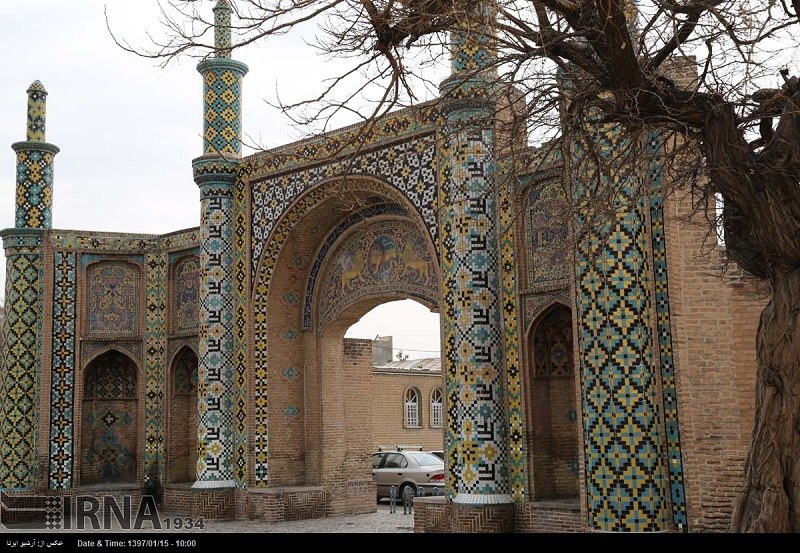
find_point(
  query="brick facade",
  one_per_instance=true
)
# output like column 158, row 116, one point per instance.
column 388, row 409
column 281, row 414
column 716, row 312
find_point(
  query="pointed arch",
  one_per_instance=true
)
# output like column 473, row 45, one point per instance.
column 182, row 415
column 110, row 429
column 552, row 416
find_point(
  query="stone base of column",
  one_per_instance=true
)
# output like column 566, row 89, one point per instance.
column 436, row 514
column 213, row 503
column 482, row 519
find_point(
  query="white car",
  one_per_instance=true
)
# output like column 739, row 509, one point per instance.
column 408, row 469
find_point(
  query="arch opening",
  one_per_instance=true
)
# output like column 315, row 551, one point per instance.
column 109, row 430
column 182, row 429
column 552, row 415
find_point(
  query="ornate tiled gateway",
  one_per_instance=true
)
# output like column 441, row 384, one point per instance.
column 562, row 353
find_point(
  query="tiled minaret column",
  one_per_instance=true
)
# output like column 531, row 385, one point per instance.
column 215, row 174
column 626, row 482
column 21, row 364
column 476, row 437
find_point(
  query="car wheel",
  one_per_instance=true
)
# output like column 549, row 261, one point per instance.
column 403, row 491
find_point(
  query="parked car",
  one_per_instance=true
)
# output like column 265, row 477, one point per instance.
column 407, row 469
column 439, row 453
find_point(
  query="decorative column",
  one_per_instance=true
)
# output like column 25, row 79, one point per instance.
column 215, row 174
column 476, row 439
column 626, row 484
column 21, row 363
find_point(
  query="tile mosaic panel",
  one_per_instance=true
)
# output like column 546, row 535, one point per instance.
column 386, row 256
column 511, row 349
column 407, row 166
column 34, row 188
column 186, row 294
column 22, row 334
column 360, row 216
column 215, row 388
column 112, row 298
column 473, row 331
column 62, row 386
column 546, row 235
column 403, row 125
column 241, row 308
column 669, row 390
column 622, row 444
column 37, row 112
column 222, row 95
column 155, row 343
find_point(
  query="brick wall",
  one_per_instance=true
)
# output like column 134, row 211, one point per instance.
column 714, row 321
column 389, row 415
column 564, row 436
column 541, row 517
column 109, row 438
column 359, row 490
column 181, row 450
column 178, row 498
column 553, row 438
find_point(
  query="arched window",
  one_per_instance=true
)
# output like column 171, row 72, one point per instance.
column 412, row 408
column 436, row 408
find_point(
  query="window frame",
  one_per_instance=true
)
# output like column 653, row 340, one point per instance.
column 412, row 406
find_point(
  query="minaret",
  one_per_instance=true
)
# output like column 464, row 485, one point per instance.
column 215, row 174
column 474, row 358
column 21, row 363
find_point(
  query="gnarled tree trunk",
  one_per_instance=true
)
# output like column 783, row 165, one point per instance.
column 770, row 500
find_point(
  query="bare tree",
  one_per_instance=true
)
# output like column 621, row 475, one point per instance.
column 740, row 114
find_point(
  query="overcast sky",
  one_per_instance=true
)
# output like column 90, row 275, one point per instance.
column 128, row 129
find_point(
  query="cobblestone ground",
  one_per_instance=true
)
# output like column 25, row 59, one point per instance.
column 381, row 521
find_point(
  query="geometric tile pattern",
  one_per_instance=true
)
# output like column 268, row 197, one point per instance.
column 513, row 384
column 155, row 344
column 34, row 183
column 476, row 421
column 62, row 387
column 34, row 190
column 242, row 308
column 20, row 379
column 400, row 126
column 625, row 485
column 668, row 387
column 222, row 29
column 215, row 387
column 472, row 50
column 37, row 98
column 407, row 166
column 222, row 88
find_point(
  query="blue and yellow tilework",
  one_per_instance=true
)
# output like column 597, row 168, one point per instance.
column 625, row 481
